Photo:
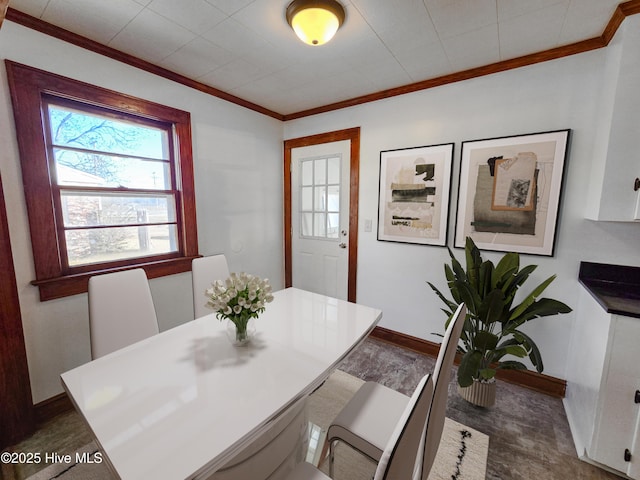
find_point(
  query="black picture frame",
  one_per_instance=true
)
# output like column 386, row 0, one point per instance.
column 414, row 193
column 510, row 190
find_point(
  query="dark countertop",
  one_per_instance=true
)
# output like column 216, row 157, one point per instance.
column 615, row 287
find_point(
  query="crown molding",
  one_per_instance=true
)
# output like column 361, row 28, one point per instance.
column 622, row 11
column 91, row 45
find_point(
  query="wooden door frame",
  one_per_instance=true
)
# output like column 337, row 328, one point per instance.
column 353, row 135
column 17, row 415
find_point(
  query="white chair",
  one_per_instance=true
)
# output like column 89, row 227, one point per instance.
column 401, row 458
column 369, row 418
column 121, row 311
column 205, row 271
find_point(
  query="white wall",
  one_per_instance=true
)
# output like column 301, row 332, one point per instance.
column 550, row 96
column 238, row 167
column 238, row 172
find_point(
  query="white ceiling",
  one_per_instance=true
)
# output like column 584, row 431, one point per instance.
column 246, row 48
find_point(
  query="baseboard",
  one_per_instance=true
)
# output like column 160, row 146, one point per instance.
column 51, row 407
column 539, row 382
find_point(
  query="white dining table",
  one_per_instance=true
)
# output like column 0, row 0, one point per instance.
column 186, row 402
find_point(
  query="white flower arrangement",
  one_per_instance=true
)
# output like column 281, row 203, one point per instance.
column 239, row 298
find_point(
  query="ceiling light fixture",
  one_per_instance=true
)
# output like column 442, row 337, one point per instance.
column 315, row 21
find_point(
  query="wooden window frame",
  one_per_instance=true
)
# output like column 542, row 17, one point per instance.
column 167, row 127
column 28, row 87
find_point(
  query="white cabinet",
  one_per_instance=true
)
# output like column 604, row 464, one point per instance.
column 602, row 380
column 637, row 187
column 615, row 430
column 616, row 161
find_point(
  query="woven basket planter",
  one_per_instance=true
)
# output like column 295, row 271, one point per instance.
column 482, row 394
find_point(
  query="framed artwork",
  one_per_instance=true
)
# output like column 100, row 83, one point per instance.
column 413, row 202
column 509, row 192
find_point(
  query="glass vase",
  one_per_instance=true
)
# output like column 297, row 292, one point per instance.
column 240, row 333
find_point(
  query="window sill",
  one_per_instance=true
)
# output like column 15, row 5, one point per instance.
column 64, row 286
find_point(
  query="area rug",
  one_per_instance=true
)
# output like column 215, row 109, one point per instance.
column 462, row 454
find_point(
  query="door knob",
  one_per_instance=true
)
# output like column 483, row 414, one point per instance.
column 636, row 185
column 342, row 245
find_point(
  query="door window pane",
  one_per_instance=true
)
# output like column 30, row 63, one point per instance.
column 319, row 224
column 306, row 199
column 306, row 227
column 333, row 170
column 306, row 172
column 320, row 171
column 319, row 201
column 333, row 225
column 333, row 198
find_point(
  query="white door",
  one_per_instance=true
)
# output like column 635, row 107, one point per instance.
column 320, row 218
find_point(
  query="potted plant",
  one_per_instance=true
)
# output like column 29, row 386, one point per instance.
column 491, row 330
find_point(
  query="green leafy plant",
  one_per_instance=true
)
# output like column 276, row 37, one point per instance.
column 491, row 328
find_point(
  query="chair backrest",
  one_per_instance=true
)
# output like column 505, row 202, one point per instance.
column 399, row 459
column 441, row 378
column 205, row 271
column 121, row 311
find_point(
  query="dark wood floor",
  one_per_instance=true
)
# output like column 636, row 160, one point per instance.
column 529, row 436
column 529, row 433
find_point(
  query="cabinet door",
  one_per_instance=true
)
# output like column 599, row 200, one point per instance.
column 611, row 194
column 586, row 360
column 634, row 464
column 615, row 430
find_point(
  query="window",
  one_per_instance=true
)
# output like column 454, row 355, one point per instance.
column 114, row 182
column 320, row 197
column 108, row 181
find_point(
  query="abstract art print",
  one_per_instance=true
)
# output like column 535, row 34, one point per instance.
column 509, row 192
column 413, row 202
